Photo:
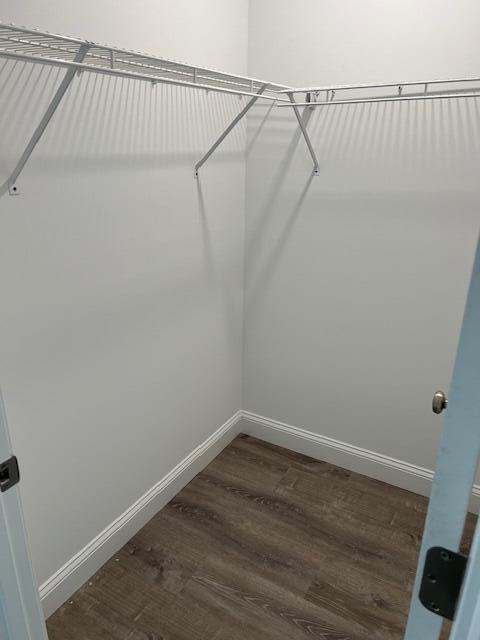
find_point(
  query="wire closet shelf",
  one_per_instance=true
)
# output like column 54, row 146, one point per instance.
column 449, row 88
column 27, row 45
column 31, row 45
column 76, row 55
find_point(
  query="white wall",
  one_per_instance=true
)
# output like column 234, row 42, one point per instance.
column 356, row 279
column 121, row 277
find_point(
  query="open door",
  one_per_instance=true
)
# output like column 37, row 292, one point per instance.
column 442, row 587
column 21, row 616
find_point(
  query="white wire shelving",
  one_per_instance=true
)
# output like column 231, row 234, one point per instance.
column 328, row 96
column 74, row 55
column 32, row 45
column 405, row 91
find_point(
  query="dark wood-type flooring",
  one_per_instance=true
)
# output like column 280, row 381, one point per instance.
column 264, row 544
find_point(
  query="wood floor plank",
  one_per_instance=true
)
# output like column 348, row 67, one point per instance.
column 357, row 595
column 283, row 457
column 264, row 544
column 298, row 521
column 239, row 590
column 86, row 618
column 184, row 619
column 253, row 462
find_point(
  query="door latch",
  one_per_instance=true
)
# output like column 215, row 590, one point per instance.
column 439, row 402
column 442, row 581
column 9, row 474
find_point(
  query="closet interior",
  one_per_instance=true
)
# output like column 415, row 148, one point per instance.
column 184, row 244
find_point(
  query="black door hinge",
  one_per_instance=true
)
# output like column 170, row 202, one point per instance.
column 9, row 474
column 442, row 581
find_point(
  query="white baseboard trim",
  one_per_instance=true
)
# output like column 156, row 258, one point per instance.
column 370, row 463
column 59, row 587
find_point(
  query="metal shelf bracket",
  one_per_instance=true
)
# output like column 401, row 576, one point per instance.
column 303, row 129
column 11, row 183
column 77, row 56
column 231, row 126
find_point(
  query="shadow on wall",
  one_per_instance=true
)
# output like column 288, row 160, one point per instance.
column 365, row 151
column 123, row 131
column 269, row 206
column 112, row 123
column 213, row 269
column 260, row 283
column 434, row 134
column 274, row 193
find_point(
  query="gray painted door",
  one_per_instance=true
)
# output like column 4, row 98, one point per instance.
column 456, row 468
column 21, row 616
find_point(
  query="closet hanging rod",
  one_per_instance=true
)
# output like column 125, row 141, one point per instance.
column 333, row 101
column 409, row 83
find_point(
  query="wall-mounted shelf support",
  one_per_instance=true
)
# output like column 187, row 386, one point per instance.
column 31, row 46
column 231, row 126
column 39, row 131
column 316, row 170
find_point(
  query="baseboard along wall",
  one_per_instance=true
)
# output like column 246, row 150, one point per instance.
column 57, row 589
column 369, row 463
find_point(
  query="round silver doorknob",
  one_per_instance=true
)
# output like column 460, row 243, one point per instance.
column 440, row 402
